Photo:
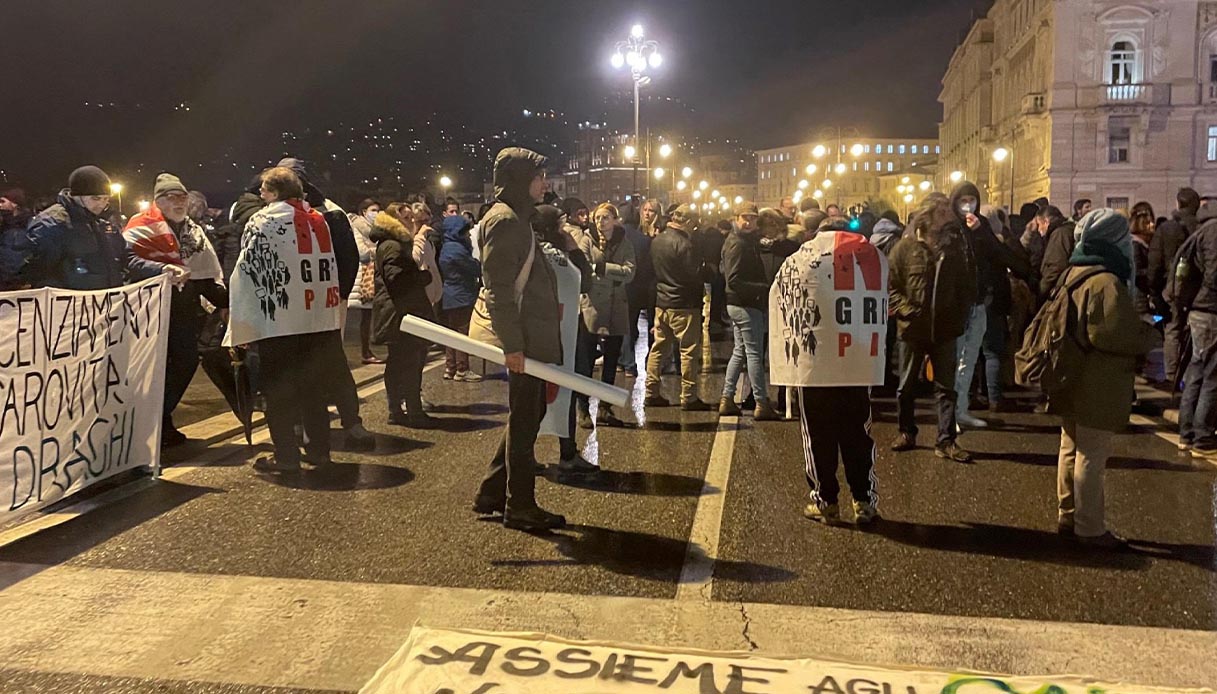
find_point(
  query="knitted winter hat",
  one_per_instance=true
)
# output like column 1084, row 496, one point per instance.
column 88, row 180
column 167, row 183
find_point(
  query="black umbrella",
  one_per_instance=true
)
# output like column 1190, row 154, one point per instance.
column 244, row 393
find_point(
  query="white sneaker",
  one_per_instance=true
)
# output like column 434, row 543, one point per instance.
column 964, row 419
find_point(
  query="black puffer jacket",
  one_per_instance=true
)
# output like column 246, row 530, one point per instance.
column 401, row 287
column 680, row 270
column 1164, row 246
column 744, row 271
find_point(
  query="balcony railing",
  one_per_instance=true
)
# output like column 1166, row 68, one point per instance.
column 1033, row 103
column 1126, row 92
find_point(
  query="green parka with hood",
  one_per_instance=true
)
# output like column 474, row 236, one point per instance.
column 532, row 325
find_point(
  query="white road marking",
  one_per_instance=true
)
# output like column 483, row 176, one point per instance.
column 697, row 574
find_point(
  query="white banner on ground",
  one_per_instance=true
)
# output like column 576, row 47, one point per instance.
column 438, row 661
column 82, row 383
column 557, row 399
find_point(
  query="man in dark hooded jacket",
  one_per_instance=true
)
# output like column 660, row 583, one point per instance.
column 527, row 325
column 932, row 288
column 14, row 217
column 1163, row 249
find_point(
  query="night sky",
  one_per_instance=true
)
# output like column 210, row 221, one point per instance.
column 768, row 72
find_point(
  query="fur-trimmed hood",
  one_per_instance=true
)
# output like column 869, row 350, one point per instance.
column 386, row 227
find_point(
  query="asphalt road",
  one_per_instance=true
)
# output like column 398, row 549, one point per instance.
column 974, row 541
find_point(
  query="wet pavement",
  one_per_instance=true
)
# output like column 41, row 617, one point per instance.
column 956, row 540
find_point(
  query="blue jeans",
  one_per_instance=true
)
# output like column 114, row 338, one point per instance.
column 968, row 347
column 1198, row 407
column 749, row 326
column 994, row 350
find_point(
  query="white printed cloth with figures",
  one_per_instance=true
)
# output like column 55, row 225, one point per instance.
column 828, row 314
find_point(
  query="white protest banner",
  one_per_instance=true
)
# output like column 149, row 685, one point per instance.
column 82, row 383
column 828, row 314
column 557, row 413
column 437, row 661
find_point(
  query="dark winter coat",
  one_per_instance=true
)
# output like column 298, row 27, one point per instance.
column 641, row 289
column 1057, row 248
column 1112, row 337
column 72, row 248
column 1164, row 247
column 931, row 289
column 14, row 246
column 1141, row 290
column 532, row 327
column 462, row 272
column 774, row 252
column 680, row 270
column 605, row 307
column 401, row 287
column 744, row 271
column 346, row 250
column 1205, row 259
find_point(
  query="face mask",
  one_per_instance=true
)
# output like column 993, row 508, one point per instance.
column 370, row 216
column 967, row 208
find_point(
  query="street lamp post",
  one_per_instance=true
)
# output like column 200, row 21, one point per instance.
column 638, row 54
column 116, row 189
column 999, row 155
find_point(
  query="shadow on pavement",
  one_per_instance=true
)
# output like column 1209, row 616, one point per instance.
column 1036, row 545
column 654, row 425
column 458, row 425
column 62, row 542
column 342, row 477
column 642, row 483
column 386, row 444
column 222, row 455
column 478, row 408
column 1115, row 462
column 641, row 555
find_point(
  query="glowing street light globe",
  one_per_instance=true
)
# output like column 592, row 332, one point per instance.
column 956, row 176
column 1000, row 154
column 144, row 205
column 856, row 150
column 924, row 185
column 714, row 194
column 686, row 172
column 697, row 195
column 739, row 199
column 817, row 193
column 630, row 152
column 655, row 60
column 904, row 180
column 445, row 182
column 908, row 198
column 818, row 151
column 659, row 172
column 811, row 169
column 618, row 61
column 840, row 168
column 826, row 184
column 798, row 195
column 681, row 185
column 665, row 150
column 636, row 31
column 116, row 188
column 703, row 185
column 803, row 184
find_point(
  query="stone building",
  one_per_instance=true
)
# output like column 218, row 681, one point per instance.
column 842, row 170
column 1108, row 100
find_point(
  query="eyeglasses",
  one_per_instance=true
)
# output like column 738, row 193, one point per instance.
column 180, row 197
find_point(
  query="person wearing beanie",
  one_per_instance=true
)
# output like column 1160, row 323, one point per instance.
column 1095, row 403
column 577, row 212
column 680, row 276
column 72, row 245
column 165, row 233
column 346, row 255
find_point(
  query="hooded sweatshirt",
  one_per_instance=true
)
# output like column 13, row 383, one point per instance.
column 885, row 235
column 529, row 323
column 460, row 270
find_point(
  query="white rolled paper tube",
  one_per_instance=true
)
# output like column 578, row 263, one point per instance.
column 546, row 372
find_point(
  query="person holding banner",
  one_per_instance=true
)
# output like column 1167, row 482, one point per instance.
column 827, row 339
column 73, row 245
column 519, row 299
column 284, row 298
column 165, row 234
column 574, row 275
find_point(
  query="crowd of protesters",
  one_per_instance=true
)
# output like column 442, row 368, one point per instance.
column 963, row 279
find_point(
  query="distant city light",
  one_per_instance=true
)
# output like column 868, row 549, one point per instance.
column 811, row 169
column 630, row 152
column 686, row 172
column 665, row 150
column 956, row 176
column 803, row 184
column 445, row 182
column 681, row 185
column 659, row 172
column 1000, row 154
column 856, row 150
column 818, row 151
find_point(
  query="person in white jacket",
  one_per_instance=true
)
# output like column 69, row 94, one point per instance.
column 365, row 290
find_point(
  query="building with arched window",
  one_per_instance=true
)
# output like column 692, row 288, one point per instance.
column 1110, row 100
